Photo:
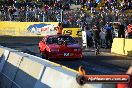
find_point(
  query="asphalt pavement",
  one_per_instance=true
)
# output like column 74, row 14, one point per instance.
column 105, row 63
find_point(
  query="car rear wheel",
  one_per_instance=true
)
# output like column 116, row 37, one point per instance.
column 46, row 55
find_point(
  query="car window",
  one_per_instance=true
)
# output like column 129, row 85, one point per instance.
column 52, row 40
column 67, row 39
column 56, row 40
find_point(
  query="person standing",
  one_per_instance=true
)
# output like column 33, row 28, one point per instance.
column 88, row 35
column 59, row 28
column 129, row 30
column 121, row 31
column 96, row 38
column 108, row 35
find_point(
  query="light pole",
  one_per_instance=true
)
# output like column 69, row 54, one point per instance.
column 61, row 15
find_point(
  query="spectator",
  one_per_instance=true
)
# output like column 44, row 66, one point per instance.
column 95, row 4
column 111, row 12
column 108, row 35
column 98, row 1
column 129, row 30
column 91, row 4
column 58, row 17
column 88, row 4
column 102, row 39
column 106, row 3
column 46, row 7
column 89, row 36
column 78, row 22
column 96, row 38
column 121, row 31
column 65, row 23
column 31, row 15
column 59, row 28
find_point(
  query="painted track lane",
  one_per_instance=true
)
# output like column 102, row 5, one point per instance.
column 102, row 64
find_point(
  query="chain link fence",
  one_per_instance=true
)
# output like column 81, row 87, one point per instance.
column 71, row 18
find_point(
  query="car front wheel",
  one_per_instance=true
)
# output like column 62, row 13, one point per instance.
column 44, row 55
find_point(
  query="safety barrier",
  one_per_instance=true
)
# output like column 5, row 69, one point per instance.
column 2, row 58
column 4, row 54
column 118, row 46
column 128, row 47
column 122, row 46
column 22, row 70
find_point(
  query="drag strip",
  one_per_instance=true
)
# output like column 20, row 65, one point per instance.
column 101, row 64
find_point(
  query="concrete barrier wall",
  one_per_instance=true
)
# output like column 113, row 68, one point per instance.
column 10, row 69
column 128, row 47
column 118, row 46
column 22, row 70
column 64, row 79
column 28, row 73
column 2, row 58
column 1, row 51
column 4, row 54
column 122, row 46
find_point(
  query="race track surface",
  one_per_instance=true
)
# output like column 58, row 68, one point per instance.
column 105, row 63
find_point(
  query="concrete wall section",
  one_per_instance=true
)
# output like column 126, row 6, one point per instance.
column 28, row 73
column 4, row 54
column 10, row 69
column 14, row 59
column 122, row 46
column 2, row 57
column 1, row 51
column 44, row 62
column 118, row 46
column 128, row 47
column 58, row 78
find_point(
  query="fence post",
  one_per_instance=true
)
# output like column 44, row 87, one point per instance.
column 43, row 17
column 27, row 13
column 61, row 15
column 26, row 16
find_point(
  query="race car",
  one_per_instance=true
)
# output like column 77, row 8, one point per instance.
column 60, row 47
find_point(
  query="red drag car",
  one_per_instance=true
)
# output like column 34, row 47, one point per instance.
column 60, row 46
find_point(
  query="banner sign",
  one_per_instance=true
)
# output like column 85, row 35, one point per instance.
column 35, row 29
column 27, row 28
column 74, row 32
column 45, row 29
